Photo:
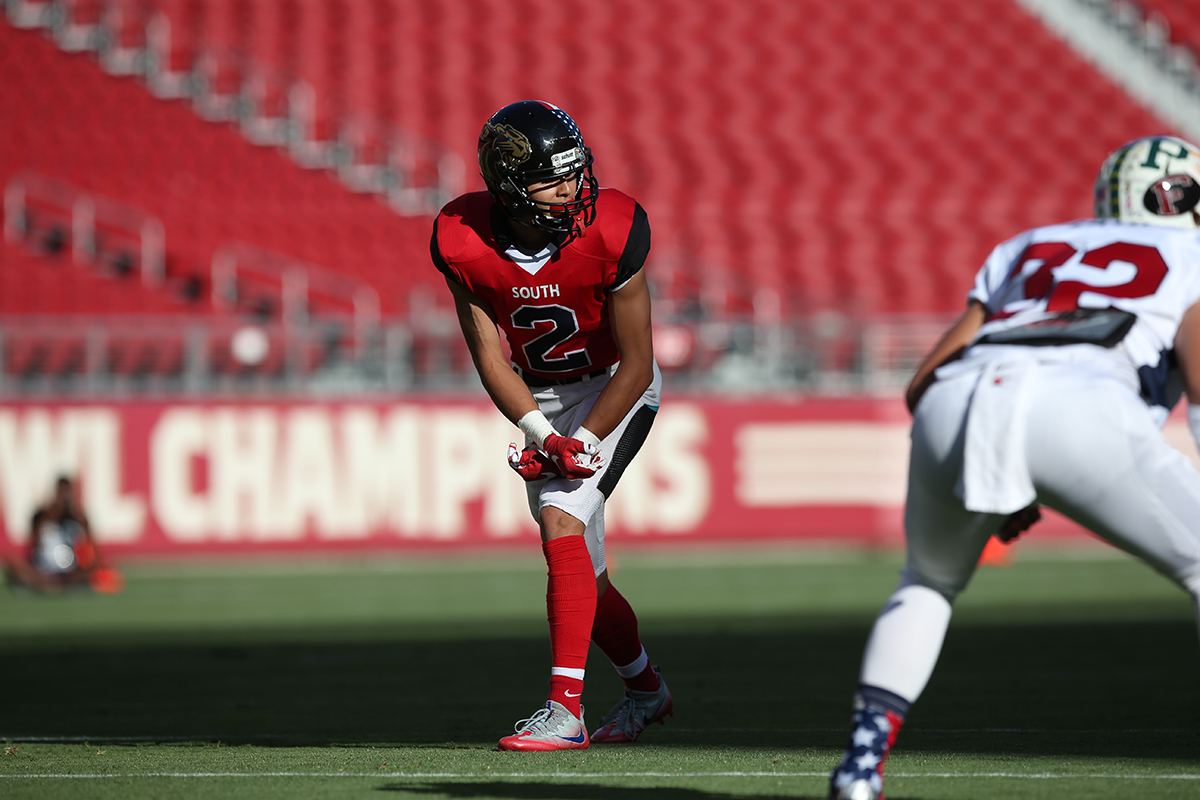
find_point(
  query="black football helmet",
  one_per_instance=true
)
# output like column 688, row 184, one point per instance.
column 533, row 142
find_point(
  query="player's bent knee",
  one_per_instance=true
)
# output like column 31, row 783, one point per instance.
column 556, row 523
column 911, row 577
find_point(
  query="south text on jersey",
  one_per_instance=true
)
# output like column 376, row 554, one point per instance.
column 536, row 292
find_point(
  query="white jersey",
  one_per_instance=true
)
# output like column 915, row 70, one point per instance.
column 1069, row 271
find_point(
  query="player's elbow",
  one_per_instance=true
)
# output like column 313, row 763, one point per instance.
column 640, row 372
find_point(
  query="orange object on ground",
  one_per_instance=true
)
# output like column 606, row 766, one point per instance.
column 996, row 554
column 106, row 580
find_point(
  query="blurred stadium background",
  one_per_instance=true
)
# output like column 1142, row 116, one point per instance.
column 217, row 310
column 216, row 301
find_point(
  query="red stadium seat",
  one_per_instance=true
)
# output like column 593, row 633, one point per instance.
column 855, row 156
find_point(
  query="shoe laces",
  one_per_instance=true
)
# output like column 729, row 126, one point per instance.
column 622, row 717
column 539, row 720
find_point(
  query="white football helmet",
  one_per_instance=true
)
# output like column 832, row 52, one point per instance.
column 1154, row 180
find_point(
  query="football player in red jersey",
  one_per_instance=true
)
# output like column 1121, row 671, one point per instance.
column 556, row 263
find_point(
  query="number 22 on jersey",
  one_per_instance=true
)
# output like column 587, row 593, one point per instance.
column 1148, row 265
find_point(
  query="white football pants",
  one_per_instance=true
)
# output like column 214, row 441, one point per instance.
column 567, row 407
column 1094, row 454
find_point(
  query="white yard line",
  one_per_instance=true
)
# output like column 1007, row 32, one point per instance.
column 594, row 775
column 241, row 737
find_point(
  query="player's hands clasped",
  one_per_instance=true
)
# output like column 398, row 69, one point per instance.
column 574, row 459
column 563, row 457
column 531, row 464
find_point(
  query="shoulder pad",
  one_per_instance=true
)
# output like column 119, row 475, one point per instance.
column 464, row 228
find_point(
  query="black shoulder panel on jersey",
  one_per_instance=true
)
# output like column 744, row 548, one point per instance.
column 435, row 253
column 637, row 247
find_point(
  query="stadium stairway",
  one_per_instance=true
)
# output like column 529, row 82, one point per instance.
column 1178, row 19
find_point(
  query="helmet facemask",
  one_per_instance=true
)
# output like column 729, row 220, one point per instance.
column 532, row 143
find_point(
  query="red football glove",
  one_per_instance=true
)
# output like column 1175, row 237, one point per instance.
column 531, row 464
column 574, row 459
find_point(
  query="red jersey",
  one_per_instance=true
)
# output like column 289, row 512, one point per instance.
column 552, row 305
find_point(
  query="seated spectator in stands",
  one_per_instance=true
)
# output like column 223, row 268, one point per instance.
column 62, row 552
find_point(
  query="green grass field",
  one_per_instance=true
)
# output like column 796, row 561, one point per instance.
column 1070, row 674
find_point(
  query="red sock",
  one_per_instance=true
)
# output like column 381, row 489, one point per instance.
column 570, row 607
column 615, row 632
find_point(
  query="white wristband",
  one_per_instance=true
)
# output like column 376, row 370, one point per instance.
column 536, row 427
column 586, row 436
column 1193, row 415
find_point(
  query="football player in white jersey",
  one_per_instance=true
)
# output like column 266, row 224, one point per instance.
column 1050, row 389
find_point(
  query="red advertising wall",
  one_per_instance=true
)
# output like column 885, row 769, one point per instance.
column 209, row 477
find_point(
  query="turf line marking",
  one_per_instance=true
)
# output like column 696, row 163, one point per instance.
column 674, row 729
column 229, row 737
column 593, row 775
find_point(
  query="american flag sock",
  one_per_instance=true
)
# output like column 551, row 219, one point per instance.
column 615, row 632
column 570, row 608
column 878, row 715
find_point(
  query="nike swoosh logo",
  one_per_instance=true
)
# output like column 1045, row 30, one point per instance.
column 576, row 739
column 567, row 692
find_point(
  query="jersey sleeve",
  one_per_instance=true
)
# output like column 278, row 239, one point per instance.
column 439, row 261
column 637, row 247
column 992, row 276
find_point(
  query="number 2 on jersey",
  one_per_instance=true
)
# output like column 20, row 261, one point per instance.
column 564, row 325
column 1148, row 264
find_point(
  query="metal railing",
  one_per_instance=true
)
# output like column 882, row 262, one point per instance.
column 242, row 275
column 95, row 228
column 107, row 356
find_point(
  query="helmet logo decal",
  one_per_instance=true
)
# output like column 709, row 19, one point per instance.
column 512, row 145
column 1154, row 180
column 564, row 162
column 1157, row 146
column 1172, row 195
column 529, row 143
